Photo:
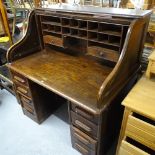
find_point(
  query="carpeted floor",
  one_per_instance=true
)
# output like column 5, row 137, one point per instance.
column 19, row 135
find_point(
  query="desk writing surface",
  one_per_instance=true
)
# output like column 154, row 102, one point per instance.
column 142, row 97
column 73, row 77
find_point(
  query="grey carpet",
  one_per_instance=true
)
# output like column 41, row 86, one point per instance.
column 19, row 135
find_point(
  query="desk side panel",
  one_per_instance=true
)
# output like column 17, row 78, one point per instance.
column 128, row 64
column 29, row 44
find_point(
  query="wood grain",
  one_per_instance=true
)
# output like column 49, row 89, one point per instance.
column 75, row 78
column 129, row 149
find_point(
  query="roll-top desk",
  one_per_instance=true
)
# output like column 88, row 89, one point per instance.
column 83, row 55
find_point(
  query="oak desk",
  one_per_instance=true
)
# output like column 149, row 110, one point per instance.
column 86, row 56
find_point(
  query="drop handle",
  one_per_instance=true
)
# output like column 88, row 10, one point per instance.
column 22, row 90
column 83, row 126
column 19, row 79
column 101, row 53
column 52, row 41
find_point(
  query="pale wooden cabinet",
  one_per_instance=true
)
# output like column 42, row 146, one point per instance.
column 137, row 136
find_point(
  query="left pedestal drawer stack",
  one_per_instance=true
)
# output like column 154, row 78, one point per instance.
column 24, row 96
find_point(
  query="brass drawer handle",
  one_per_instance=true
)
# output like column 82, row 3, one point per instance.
column 81, row 149
column 25, row 100
column 22, row 90
column 101, row 53
column 82, row 139
column 83, row 126
column 19, row 79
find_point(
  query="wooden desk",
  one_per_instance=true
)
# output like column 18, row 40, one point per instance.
column 75, row 54
column 139, row 119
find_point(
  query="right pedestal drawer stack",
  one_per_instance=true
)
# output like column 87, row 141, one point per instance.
column 137, row 136
column 84, row 130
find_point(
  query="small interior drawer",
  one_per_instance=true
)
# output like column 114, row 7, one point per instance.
column 84, row 125
column 80, row 137
column 129, row 149
column 88, row 115
column 103, row 53
column 17, row 78
column 53, row 40
column 141, row 131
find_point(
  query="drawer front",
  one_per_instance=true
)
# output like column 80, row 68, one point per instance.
column 83, row 149
column 80, row 137
column 30, row 115
column 29, row 108
column 128, row 149
column 83, row 124
column 101, row 53
column 53, row 40
column 25, row 100
column 141, row 131
column 17, row 78
column 22, row 90
column 89, row 116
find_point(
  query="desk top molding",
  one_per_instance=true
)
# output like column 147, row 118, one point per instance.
column 132, row 13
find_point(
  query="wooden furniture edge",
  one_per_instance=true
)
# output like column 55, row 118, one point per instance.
column 109, row 83
column 13, row 50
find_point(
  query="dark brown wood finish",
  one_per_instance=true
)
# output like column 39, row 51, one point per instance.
column 88, row 56
column 64, row 75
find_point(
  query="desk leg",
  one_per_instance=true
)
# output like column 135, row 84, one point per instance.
column 123, row 127
column 148, row 71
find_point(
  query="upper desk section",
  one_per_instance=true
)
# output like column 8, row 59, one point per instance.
column 129, row 13
column 99, row 41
